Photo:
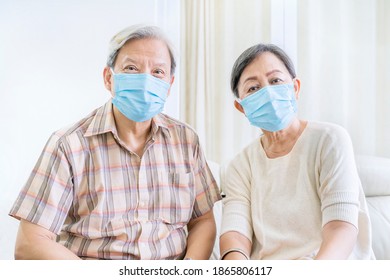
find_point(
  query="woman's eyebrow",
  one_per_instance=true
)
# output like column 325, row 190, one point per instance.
column 252, row 78
column 273, row 71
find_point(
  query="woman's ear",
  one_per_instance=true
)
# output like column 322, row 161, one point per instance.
column 238, row 107
column 297, row 87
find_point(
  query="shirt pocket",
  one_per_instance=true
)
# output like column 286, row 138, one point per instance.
column 176, row 197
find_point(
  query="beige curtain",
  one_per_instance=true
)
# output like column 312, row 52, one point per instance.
column 214, row 33
column 343, row 60
column 344, row 64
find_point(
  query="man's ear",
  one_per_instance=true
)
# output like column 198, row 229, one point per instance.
column 297, row 87
column 107, row 78
column 239, row 107
column 171, row 83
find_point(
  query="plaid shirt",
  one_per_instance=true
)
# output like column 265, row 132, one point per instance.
column 105, row 202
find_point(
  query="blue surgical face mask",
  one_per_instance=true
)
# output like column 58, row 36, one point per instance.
column 139, row 96
column 271, row 108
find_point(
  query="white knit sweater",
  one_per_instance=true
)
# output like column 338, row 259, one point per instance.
column 281, row 204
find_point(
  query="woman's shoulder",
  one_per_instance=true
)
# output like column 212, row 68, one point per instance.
column 326, row 128
column 250, row 150
column 242, row 159
column 327, row 132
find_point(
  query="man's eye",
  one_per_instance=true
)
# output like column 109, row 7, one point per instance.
column 159, row 72
column 130, row 68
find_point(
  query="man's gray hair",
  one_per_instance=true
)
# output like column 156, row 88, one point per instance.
column 249, row 55
column 135, row 32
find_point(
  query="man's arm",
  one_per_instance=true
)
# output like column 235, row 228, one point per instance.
column 338, row 240
column 34, row 242
column 201, row 237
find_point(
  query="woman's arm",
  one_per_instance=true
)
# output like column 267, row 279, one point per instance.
column 234, row 246
column 34, row 242
column 338, row 240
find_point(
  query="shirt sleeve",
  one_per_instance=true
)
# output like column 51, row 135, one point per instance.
column 47, row 196
column 206, row 188
column 339, row 180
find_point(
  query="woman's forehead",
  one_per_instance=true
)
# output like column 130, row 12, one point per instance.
column 264, row 64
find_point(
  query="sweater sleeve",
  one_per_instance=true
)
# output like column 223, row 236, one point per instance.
column 236, row 185
column 339, row 181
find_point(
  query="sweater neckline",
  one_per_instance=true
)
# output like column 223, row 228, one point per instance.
column 292, row 151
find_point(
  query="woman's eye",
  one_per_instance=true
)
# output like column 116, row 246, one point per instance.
column 253, row 89
column 276, row 81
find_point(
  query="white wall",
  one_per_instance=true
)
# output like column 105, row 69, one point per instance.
column 52, row 54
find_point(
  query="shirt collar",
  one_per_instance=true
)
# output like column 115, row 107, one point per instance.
column 160, row 121
column 103, row 122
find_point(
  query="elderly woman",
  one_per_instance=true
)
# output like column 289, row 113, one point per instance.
column 294, row 193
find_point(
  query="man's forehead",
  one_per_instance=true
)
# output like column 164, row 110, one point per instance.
column 140, row 48
column 147, row 45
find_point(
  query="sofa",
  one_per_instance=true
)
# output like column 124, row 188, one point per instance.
column 374, row 174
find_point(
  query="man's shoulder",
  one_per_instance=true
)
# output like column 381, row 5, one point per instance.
column 75, row 129
column 173, row 124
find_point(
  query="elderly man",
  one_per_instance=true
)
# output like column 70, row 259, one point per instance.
column 127, row 181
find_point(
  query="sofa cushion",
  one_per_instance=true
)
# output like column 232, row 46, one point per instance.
column 379, row 209
column 374, row 173
column 215, row 169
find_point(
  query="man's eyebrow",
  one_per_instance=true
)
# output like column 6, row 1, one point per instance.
column 158, row 63
column 161, row 64
column 129, row 59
